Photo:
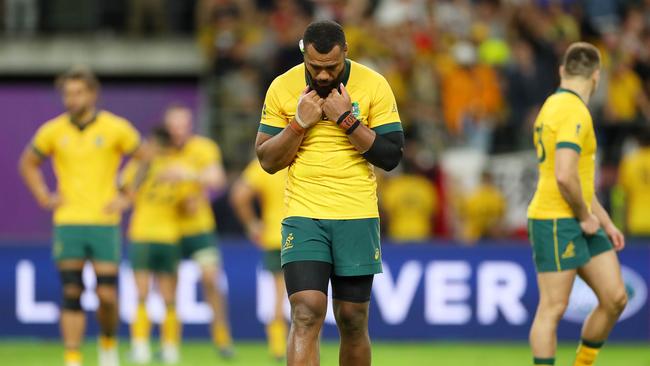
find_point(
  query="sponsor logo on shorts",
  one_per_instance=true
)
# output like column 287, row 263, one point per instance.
column 570, row 251
column 376, row 254
column 288, row 244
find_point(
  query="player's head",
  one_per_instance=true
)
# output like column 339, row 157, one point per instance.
column 178, row 121
column 79, row 88
column 581, row 61
column 324, row 50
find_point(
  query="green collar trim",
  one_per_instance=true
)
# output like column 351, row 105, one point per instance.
column 83, row 127
column 564, row 90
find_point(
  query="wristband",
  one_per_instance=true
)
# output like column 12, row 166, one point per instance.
column 348, row 122
column 300, row 122
column 296, row 127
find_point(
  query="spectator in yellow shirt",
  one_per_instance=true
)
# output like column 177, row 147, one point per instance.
column 409, row 201
column 482, row 211
column 634, row 179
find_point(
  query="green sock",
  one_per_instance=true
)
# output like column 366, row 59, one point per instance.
column 543, row 361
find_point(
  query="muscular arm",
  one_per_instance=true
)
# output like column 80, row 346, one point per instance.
column 29, row 168
column 568, row 181
column 277, row 152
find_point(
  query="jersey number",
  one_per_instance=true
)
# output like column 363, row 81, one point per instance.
column 539, row 144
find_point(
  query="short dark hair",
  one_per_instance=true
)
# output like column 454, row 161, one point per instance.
column 324, row 35
column 581, row 59
column 82, row 73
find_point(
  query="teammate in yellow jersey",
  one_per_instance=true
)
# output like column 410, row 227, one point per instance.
column 86, row 146
column 570, row 232
column 202, row 167
column 154, row 233
column 265, row 232
column 329, row 133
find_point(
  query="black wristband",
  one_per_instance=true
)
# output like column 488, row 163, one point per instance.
column 353, row 127
column 348, row 122
column 342, row 117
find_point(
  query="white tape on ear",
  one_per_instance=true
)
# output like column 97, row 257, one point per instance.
column 301, row 45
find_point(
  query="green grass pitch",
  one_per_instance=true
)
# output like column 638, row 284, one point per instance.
column 37, row 353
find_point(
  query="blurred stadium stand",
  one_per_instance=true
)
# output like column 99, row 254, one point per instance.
column 469, row 76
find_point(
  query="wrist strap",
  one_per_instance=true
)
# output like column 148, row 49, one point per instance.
column 300, row 122
column 296, row 127
column 348, row 122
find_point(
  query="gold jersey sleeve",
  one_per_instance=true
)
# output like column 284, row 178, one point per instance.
column 564, row 122
column 86, row 162
column 270, row 192
column 329, row 179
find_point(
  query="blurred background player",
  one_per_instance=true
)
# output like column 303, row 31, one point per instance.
column 154, row 233
column 634, row 179
column 200, row 164
column 265, row 232
column 86, row 146
column 571, row 233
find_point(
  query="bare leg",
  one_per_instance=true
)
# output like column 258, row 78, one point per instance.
column 603, row 275
column 73, row 321
column 308, row 310
column 352, row 321
column 554, row 291
column 107, row 314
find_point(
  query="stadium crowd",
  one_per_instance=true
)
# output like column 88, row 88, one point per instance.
column 467, row 75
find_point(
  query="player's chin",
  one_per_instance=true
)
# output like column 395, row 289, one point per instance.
column 324, row 91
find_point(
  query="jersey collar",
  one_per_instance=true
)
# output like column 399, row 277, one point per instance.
column 83, row 127
column 565, row 90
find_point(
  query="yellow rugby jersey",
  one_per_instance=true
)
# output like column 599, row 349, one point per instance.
column 270, row 190
column 86, row 161
column 329, row 179
column 563, row 122
column 157, row 206
column 199, row 153
column 634, row 177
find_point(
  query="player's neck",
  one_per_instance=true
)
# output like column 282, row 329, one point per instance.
column 85, row 118
column 580, row 87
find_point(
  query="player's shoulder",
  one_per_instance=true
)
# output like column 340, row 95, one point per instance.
column 568, row 101
column 367, row 74
column 198, row 141
column 57, row 123
column 290, row 79
column 112, row 118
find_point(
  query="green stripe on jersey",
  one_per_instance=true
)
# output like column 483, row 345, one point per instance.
column 568, row 145
column 388, row 127
column 269, row 130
